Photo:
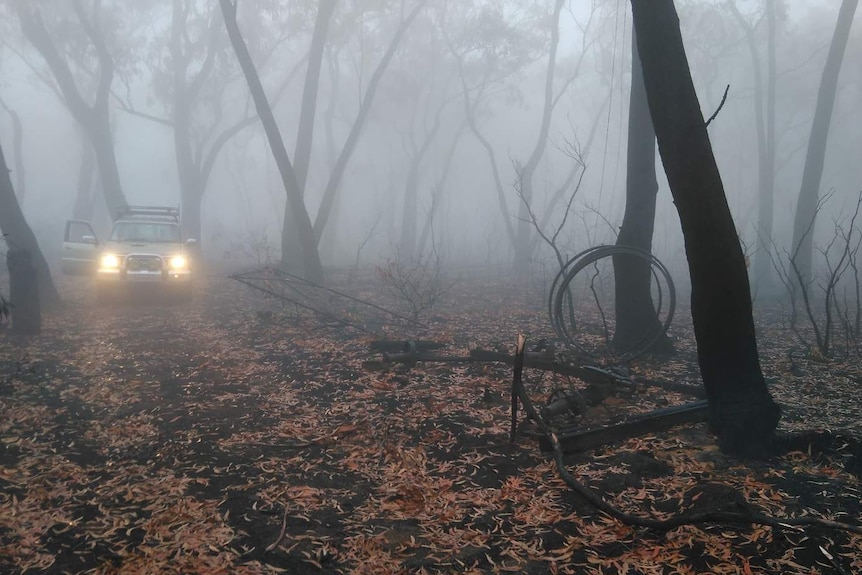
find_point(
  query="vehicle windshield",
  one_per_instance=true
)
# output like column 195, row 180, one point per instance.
column 146, row 232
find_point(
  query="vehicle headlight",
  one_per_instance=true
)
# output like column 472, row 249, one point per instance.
column 110, row 261
column 178, row 262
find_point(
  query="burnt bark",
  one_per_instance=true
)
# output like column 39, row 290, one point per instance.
column 636, row 316
column 194, row 150
column 470, row 106
column 764, row 115
column 437, row 193
column 18, row 147
column 18, row 235
column 334, row 183
column 523, row 244
column 407, row 246
column 84, row 200
column 305, row 131
column 185, row 92
column 809, row 193
column 312, row 268
column 329, row 239
column 93, row 117
column 742, row 411
column 23, row 293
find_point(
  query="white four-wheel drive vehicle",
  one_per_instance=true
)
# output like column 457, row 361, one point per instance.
column 145, row 249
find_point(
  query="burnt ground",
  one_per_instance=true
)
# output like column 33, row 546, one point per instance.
column 234, row 434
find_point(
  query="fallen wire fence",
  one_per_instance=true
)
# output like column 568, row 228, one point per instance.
column 329, row 306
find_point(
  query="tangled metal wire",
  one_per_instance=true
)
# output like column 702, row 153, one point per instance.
column 561, row 301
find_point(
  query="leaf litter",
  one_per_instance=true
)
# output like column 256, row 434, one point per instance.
column 207, row 438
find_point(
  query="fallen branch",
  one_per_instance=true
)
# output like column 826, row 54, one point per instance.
column 650, row 522
column 572, row 440
column 720, row 106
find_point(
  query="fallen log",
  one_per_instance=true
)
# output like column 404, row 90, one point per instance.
column 588, row 373
column 400, row 345
column 573, row 440
column 410, row 354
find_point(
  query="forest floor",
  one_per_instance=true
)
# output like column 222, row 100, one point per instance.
column 234, row 434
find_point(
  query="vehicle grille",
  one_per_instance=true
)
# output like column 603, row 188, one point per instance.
column 144, row 263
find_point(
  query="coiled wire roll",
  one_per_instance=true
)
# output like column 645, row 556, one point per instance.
column 561, row 299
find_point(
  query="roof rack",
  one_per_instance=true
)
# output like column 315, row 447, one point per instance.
column 151, row 211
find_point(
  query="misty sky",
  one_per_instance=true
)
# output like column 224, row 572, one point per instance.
column 245, row 198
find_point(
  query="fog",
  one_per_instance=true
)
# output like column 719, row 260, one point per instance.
column 421, row 96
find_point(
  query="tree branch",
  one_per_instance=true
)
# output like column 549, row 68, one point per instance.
column 720, row 106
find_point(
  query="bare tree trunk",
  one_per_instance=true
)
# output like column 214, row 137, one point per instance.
column 764, row 116
column 766, row 193
column 809, row 193
column 742, row 411
column 523, row 243
column 93, row 118
column 18, row 147
column 195, row 157
column 635, row 312
column 470, row 115
column 409, row 220
column 329, row 240
column 18, row 235
column 334, row 183
column 437, row 194
column 305, row 132
column 191, row 188
column 313, row 270
column 83, row 209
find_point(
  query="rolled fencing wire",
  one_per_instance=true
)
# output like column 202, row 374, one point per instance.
column 561, row 299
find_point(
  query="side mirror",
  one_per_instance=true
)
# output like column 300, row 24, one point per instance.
column 89, row 240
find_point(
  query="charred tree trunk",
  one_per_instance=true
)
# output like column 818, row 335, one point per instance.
column 93, row 118
column 191, row 185
column 523, row 244
column 635, row 312
column 23, row 293
column 305, row 131
column 437, row 194
column 18, row 147
column 764, row 116
column 410, row 207
column 334, row 183
column 766, row 193
column 329, row 240
column 809, row 193
column 184, row 93
column 83, row 209
column 20, row 237
column 407, row 246
column 313, row 270
column 106, row 161
column 742, row 412
column 195, row 152
column 470, row 106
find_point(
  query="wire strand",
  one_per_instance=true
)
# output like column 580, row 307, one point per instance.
column 610, row 102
